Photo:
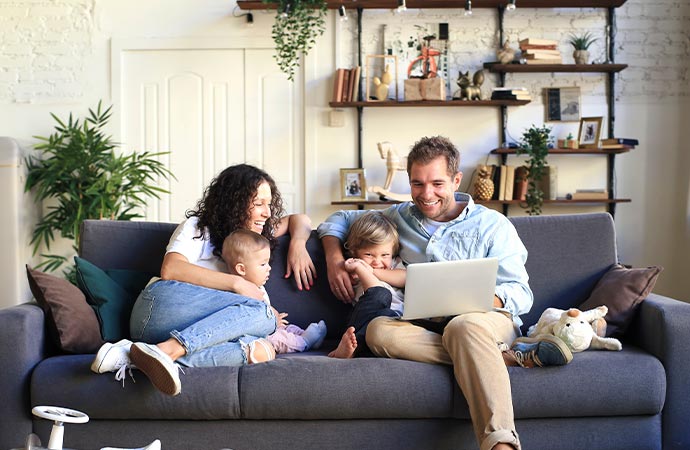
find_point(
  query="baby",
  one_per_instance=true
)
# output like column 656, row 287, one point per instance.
column 378, row 275
column 247, row 254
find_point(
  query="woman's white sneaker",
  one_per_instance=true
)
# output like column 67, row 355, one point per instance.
column 157, row 366
column 111, row 357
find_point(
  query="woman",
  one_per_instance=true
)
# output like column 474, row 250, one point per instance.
column 197, row 313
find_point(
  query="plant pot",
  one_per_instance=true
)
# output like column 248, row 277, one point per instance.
column 581, row 56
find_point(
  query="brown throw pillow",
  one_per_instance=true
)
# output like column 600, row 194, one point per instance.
column 71, row 323
column 622, row 290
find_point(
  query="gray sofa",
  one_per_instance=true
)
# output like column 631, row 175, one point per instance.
column 634, row 399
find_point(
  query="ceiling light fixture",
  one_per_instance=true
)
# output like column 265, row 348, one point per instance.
column 468, row 8
column 511, row 5
column 401, row 6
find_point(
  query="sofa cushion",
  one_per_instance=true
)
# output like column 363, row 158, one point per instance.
column 622, row 289
column 111, row 293
column 318, row 387
column 208, row 393
column 595, row 383
column 71, row 323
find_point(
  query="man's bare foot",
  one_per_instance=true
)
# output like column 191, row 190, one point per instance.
column 347, row 346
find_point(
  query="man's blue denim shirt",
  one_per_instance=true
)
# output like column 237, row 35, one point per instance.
column 478, row 232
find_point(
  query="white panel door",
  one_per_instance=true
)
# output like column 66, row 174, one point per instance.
column 274, row 126
column 210, row 108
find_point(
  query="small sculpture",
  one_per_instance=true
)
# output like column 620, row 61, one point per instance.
column 393, row 163
column 505, row 54
column 483, row 188
column 382, row 84
column 469, row 90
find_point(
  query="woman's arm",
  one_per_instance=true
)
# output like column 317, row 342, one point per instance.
column 177, row 267
column 299, row 262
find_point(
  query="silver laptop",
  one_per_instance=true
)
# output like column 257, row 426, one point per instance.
column 449, row 288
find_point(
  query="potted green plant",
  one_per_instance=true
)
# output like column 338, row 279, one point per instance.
column 535, row 144
column 82, row 177
column 298, row 24
column 581, row 44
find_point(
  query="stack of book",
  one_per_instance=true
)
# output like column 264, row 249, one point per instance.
column 540, row 51
column 508, row 93
column 346, row 85
column 590, row 194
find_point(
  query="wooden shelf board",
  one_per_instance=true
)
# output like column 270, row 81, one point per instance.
column 551, row 68
column 570, row 151
column 435, row 4
column 426, row 103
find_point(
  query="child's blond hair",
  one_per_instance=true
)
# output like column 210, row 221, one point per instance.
column 372, row 228
column 240, row 243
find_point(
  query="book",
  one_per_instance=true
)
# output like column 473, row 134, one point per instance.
column 510, row 96
column 538, row 41
column 510, row 181
column 549, row 182
column 544, row 61
column 521, row 183
column 350, row 84
column 540, row 54
column 496, row 179
column 502, row 183
column 590, row 194
column 624, row 141
column 355, row 86
column 612, row 146
column 538, row 47
column 338, row 85
column 346, row 86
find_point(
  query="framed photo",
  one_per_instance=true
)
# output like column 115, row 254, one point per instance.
column 353, row 185
column 590, row 132
column 562, row 104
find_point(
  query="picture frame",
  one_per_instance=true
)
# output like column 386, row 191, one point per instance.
column 562, row 104
column 590, row 132
column 375, row 68
column 353, row 184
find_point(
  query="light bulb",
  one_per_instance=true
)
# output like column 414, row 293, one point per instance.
column 401, row 6
column 342, row 13
column 511, row 5
column 468, row 8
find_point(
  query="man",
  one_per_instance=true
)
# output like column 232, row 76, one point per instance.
column 442, row 224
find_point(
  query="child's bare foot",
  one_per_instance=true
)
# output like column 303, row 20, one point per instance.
column 347, row 346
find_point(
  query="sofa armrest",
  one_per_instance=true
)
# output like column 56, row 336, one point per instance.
column 662, row 327
column 22, row 347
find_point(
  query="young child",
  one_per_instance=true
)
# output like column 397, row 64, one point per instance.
column 247, row 254
column 378, row 274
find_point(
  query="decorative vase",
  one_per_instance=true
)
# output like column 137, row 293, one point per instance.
column 581, row 56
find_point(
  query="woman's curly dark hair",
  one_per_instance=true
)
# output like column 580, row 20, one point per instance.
column 226, row 204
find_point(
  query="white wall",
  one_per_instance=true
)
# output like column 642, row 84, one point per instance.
column 55, row 57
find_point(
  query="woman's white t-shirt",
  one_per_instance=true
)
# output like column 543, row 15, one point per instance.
column 198, row 251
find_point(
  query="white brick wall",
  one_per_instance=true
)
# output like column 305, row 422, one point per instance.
column 40, row 37
column 43, row 45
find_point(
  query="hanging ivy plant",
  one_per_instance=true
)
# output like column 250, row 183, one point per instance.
column 298, row 24
column 535, row 144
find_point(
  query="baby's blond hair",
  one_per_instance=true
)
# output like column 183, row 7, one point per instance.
column 372, row 228
column 240, row 243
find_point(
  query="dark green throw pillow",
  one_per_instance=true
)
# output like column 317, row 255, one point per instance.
column 111, row 294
